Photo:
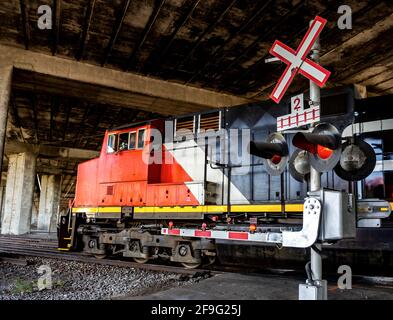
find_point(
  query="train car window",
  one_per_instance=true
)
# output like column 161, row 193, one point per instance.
column 141, row 138
column 132, row 143
column 123, row 141
column 112, row 143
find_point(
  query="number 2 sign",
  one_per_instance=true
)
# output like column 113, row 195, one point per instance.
column 298, row 116
column 297, row 103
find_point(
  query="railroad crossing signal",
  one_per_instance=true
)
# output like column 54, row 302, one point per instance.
column 357, row 161
column 296, row 61
column 298, row 116
column 297, row 103
column 296, row 119
column 274, row 152
column 323, row 144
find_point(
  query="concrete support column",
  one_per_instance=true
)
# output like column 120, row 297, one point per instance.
column 19, row 194
column 5, row 93
column 49, row 203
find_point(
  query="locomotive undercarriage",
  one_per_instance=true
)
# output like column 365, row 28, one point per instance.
column 144, row 243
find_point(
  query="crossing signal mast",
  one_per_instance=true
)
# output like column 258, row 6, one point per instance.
column 328, row 215
column 320, row 150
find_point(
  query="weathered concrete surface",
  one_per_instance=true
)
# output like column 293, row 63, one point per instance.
column 52, row 152
column 19, row 194
column 147, row 93
column 2, row 198
column 49, row 203
column 5, row 91
column 232, row 286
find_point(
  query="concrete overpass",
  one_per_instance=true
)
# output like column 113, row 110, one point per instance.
column 104, row 64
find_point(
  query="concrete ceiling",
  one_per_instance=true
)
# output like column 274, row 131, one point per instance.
column 214, row 44
column 211, row 44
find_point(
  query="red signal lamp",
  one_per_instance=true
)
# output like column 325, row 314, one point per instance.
column 323, row 144
column 276, row 159
column 324, row 152
column 170, row 224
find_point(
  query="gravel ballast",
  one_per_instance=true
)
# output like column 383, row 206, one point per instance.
column 82, row 281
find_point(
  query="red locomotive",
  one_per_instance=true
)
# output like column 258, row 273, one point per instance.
column 152, row 182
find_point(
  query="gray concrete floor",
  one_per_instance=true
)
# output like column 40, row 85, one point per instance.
column 231, row 286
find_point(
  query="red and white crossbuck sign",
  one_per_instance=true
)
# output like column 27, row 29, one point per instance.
column 297, row 62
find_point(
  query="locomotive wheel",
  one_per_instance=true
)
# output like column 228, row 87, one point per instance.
column 211, row 260
column 140, row 260
column 190, row 265
column 100, row 256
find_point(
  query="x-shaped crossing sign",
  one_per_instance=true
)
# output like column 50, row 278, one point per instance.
column 296, row 61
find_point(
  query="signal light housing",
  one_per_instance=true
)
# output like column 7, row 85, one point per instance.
column 323, row 144
column 274, row 152
column 299, row 165
column 357, row 161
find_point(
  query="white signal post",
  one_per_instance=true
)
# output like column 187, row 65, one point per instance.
column 315, row 179
column 297, row 61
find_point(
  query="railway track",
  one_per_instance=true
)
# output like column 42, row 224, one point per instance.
column 24, row 246
column 45, row 248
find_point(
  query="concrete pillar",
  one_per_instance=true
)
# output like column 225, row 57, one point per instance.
column 49, row 203
column 19, row 194
column 5, row 92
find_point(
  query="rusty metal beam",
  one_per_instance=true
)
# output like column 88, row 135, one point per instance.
column 217, row 52
column 179, row 25
column 51, row 119
column 86, row 28
column 15, row 115
column 252, row 45
column 201, row 37
column 33, row 103
column 120, row 15
column 97, row 123
column 25, row 22
column 81, row 125
column 56, row 26
column 146, row 31
column 69, row 108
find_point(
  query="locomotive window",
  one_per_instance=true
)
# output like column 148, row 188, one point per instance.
column 132, row 143
column 141, row 138
column 123, row 141
column 112, row 143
